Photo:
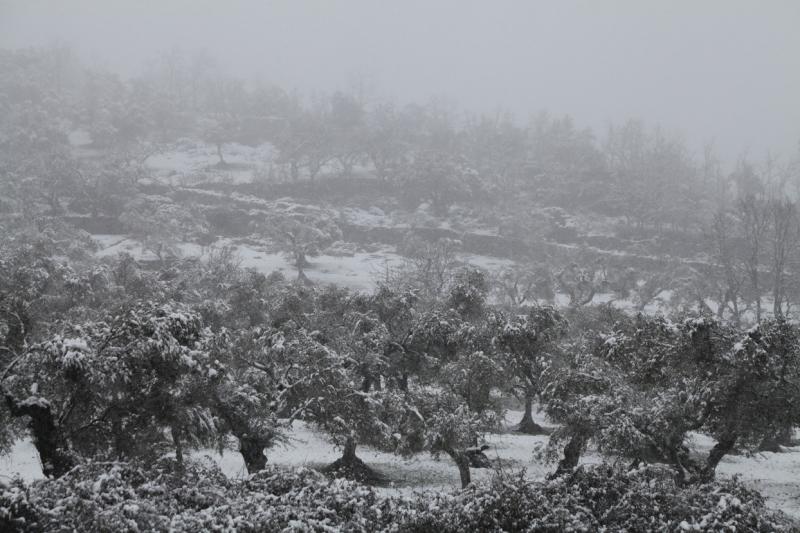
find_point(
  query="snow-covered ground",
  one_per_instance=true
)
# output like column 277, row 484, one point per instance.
column 22, row 461
column 360, row 271
column 776, row 475
column 193, row 161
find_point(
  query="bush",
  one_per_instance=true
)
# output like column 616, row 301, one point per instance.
column 599, row 498
column 16, row 512
column 127, row 497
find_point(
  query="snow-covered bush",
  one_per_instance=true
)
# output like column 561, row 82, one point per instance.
column 162, row 497
column 601, row 498
column 16, row 512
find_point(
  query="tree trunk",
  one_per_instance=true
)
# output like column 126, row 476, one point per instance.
column 754, row 282
column 462, row 462
column 720, row 450
column 350, row 466
column 252, row 450
column 463, row 470
column 300, row 261
column 176, row 440
column 527, row 425
column 303, row 279
column 572, row 454
column 222, row 162
column 121, row 444
column 349, row 452
column 47, row 438
column 159, row 250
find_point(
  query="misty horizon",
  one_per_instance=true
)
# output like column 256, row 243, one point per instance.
column 721, row 72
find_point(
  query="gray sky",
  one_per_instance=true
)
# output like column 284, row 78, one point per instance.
column 727, row 70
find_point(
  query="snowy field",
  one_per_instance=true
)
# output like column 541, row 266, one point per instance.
column 776, row 475
column 193, row 161
column 360, row 271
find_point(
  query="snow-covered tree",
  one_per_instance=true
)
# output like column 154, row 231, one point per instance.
column 529, row 347
column 345, row 369
column 301, row 231
column 440, row 178
column 651, row 382
column 255, row 389
column 161, row 224
column 112, row 388
column 517, row 286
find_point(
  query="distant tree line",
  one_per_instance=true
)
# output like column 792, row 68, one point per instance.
column 432, row 152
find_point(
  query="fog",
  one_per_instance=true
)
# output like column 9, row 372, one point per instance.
column 480, row 261
column 727, row 71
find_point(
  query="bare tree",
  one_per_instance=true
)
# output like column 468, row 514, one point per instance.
column 783, row 241
column 722, row 237
column 755, row 222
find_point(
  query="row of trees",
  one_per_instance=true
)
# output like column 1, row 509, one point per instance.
column 108, row 361
column 652, row 382
column 755, row 247
column 120, row 363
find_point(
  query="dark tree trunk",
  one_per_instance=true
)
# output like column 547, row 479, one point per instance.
column 349, row 452
column 121, row 444
column 303, row 279
column 720, row 450
column 572, row 454
column 222, row 162
column 300, row 260
column 252, row 450
column 50, row 443
column 251, row 444
column 350, row 466
column 462, row 462
column 176, row 440
column 527, row 425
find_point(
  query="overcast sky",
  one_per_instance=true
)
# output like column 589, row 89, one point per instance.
column 727, row 70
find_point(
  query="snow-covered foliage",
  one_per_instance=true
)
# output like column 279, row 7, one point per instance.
column 645, row 387
column 160, row 224
column 438, row 177
column 161, row 497
column 597, row 499
column 301, row 231
column 109, row 388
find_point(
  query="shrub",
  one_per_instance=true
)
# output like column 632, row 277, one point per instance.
column 162, row 497
column 601, row 498
column 16, row 512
